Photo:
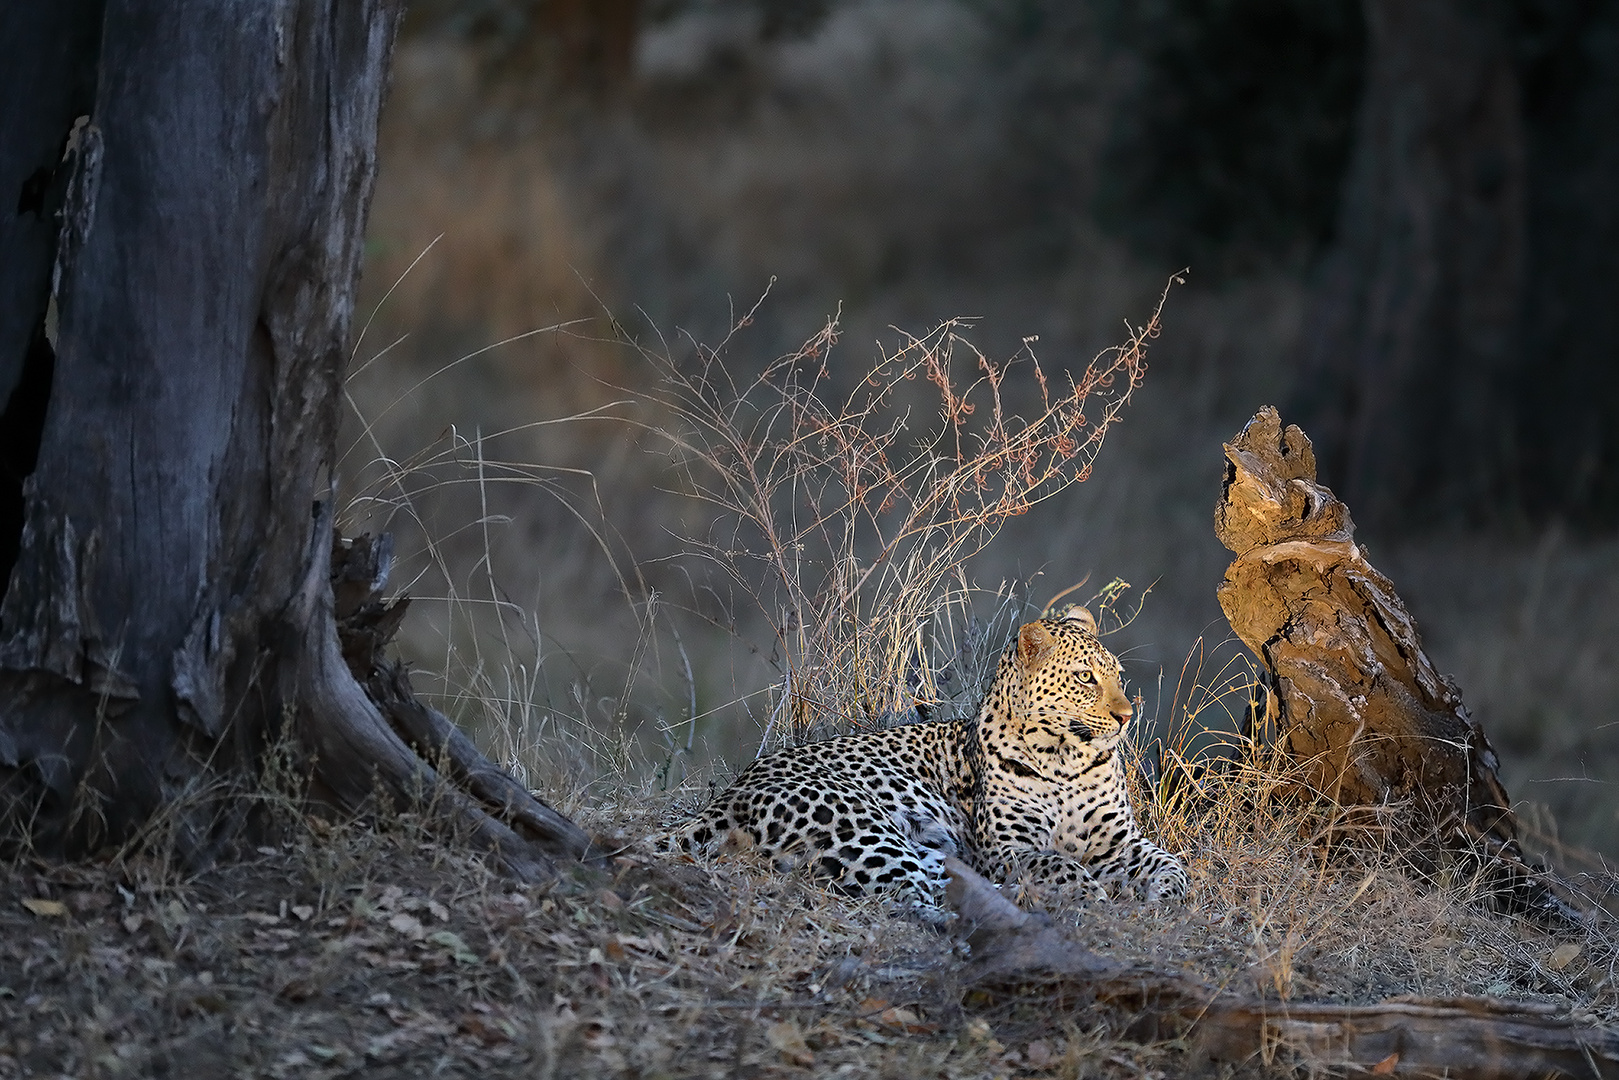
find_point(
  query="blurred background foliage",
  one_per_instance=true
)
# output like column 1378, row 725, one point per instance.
column 1399, row 218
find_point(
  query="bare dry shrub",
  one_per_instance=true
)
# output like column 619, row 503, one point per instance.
column 828, row 531
column 846, row 518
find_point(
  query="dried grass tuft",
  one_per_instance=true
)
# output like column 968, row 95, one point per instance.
column 844, row 512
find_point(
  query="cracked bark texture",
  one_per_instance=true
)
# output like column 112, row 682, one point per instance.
column 1357, row 701
column 191, row 183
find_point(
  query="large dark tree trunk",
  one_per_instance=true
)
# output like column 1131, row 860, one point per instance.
column 1416, row 337
column 190, row 182
column 1459, row 365
column 1568, row 409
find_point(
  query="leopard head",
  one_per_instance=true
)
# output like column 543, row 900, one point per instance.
column 1059, row 692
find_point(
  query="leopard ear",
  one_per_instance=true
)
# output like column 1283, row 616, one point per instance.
column 1034, row 644
column 1083, row 617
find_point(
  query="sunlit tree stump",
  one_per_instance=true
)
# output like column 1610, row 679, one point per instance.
column 1353, row 697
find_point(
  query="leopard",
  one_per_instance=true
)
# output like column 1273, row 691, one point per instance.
column 1029, row 790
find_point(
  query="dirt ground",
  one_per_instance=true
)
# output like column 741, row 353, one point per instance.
column 388, row 951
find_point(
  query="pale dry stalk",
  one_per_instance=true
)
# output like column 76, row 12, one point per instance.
column 845, row 515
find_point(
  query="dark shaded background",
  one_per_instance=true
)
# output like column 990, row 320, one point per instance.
column 1398, row 216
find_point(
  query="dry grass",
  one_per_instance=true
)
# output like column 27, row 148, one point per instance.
column 844, row 512
column 388, row 950
column 728, row 969
column 812, row 568
column 1324, row 919
column 744, row 972
column 864, row 166
column 350, row 950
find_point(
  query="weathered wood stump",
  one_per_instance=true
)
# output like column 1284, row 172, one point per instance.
column 1355, row 699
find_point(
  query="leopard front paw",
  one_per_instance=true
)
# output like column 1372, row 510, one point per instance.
column 1168, row 883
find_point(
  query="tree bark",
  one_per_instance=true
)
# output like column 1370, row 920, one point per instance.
column 171, row 603
column 47, row 80
column 1356, row 702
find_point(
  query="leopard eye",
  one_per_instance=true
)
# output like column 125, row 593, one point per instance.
column 1087, row 676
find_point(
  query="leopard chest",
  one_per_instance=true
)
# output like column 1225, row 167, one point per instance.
column 1072, row 803
column 1093, row 816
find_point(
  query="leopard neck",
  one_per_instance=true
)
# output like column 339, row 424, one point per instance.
column 1003, row 704
column 960, row 760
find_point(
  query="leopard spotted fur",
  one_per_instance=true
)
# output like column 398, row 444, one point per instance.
column 1032, row 788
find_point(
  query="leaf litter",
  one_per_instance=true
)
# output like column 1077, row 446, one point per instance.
column 353, row 951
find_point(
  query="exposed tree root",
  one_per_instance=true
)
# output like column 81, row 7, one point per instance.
column 368, row 733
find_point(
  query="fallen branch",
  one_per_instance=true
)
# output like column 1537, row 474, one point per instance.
column 1017, row 954
column 432, row 735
